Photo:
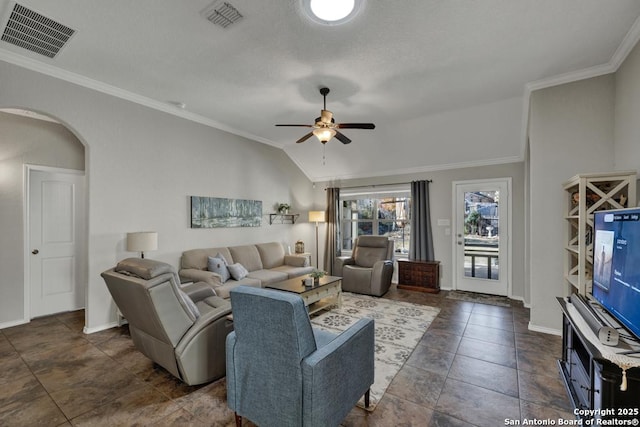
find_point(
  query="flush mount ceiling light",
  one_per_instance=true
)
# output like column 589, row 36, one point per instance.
column 331, row 12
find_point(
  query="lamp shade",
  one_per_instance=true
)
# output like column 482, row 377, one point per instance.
column 324, row 134
column 316, row 216
column 142, row 241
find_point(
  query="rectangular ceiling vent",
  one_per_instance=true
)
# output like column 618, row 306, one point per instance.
column 35, row 32
column 222, row 13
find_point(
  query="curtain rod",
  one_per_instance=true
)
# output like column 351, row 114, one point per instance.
column 380, row 185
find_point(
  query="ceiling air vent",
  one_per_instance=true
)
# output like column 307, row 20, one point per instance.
column 37, row 33
column 222, row 13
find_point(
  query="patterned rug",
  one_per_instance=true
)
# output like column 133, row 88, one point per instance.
column 480, row 298
column 399, row 326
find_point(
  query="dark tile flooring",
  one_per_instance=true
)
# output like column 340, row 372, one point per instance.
column 477, row 365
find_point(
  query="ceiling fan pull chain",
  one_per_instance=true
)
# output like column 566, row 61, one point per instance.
column 324, row 147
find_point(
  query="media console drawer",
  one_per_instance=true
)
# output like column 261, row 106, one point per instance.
column 417, row 275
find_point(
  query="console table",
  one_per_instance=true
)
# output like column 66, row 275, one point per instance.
column 592, row 382
column 416, row 275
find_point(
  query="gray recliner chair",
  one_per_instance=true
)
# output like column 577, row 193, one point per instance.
column 183, row 329
column 370, row 267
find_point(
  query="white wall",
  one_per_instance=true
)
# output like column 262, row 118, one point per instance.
column 570, row 132
column 441, row 199
column 143, row 164
column 25, row 141
column 627, row 108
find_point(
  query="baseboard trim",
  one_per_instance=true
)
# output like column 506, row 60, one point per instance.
column 13, row 323
column 544, row 330
column 100, row 328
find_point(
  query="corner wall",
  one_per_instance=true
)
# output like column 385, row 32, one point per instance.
column 142, row 165
column 570, row 132
column 627, row 109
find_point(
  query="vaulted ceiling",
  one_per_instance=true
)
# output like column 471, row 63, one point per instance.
column 445, row 82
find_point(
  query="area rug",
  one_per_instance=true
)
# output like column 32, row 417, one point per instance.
column 398, row 325
column 480, row 298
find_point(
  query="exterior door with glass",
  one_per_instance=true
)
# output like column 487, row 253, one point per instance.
column 481, row 245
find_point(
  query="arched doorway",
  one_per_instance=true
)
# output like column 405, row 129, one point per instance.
column 34, row 142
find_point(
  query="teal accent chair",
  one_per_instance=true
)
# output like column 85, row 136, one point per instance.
column 283, row 372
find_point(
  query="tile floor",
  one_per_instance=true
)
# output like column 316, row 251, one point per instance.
column 477, row 365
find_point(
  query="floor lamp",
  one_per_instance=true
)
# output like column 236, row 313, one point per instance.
column 317, row 217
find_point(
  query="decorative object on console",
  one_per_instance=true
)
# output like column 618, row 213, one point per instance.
column 317, row 217
column 215, row 212
column 316, row 275
column 283, row 208
column 325, row 126
column 299, row 247
column 142, row 241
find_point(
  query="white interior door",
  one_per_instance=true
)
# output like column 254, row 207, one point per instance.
column 481, row 246
column 56, row 217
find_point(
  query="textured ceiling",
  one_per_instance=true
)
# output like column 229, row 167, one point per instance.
column 442, row 80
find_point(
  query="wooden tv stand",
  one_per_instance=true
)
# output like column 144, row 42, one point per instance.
column 593, row 383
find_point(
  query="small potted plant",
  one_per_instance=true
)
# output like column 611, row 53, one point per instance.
column 283, row 208
column 317, row 274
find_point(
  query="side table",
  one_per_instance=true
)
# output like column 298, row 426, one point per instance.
column 416, row 275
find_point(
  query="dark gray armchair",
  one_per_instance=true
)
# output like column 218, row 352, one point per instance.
column 369, row 268
column 183, row 329
column 282, row 372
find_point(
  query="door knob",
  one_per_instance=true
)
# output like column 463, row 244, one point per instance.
column 459, row 242
column 35, row 252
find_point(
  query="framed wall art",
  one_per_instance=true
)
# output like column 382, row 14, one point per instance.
column 216, row 212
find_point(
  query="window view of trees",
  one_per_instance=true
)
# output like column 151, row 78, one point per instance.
column 385, row 216
column 481, row 239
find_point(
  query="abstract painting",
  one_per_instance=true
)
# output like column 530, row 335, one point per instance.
column 215, row 212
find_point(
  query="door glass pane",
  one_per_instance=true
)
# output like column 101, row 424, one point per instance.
column 481, row 234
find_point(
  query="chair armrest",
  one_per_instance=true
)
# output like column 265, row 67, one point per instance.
column 200, row 352
column 348, row 359
column 203, row 322
column 296, row 260
column 381, row 277
column 196, row 275
column 340, row 262
column 198, row 291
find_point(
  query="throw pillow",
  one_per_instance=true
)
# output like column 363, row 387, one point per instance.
column 238, row 271
column 218, row 266
column 219, row 255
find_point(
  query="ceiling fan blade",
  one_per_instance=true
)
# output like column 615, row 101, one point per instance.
column 304, row 126
column 304, row 138
column 342, row 138
column 356, row 126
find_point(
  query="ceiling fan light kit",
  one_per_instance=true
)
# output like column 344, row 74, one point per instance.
column 325, row 127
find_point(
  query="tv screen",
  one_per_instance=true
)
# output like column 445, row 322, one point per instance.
column 616, row 265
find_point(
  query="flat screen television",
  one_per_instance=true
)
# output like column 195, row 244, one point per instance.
column 616, row 265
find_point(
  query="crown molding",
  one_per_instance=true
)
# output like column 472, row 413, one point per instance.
column 117, row 92
column 421, row 169
column 627, row 45
column 624, row 49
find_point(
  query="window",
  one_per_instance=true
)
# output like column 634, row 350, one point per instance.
column 376, row 214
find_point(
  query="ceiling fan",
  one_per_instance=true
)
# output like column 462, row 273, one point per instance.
column 325, row 126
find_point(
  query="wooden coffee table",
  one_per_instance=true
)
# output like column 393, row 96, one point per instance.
column 327, row 292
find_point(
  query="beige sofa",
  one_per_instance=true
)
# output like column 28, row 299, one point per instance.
column 266, row 263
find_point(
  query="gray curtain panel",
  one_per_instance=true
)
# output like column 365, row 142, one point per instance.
column 332, row 247
column 421, row 245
